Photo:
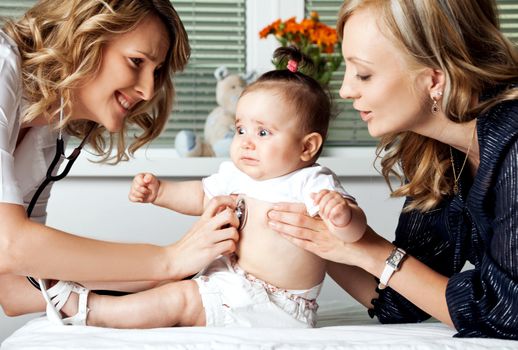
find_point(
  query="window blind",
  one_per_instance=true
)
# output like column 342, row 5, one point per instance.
column 348, row 129
column 217, row 35
column 508, row 10
column 14, row 8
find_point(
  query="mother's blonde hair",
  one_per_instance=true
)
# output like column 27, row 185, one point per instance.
column 61, row 47
column 461, row 38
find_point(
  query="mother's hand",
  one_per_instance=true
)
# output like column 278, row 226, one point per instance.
column 292, row 222
column 211, row 236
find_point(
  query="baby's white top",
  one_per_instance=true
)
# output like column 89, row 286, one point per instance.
column 294, row 187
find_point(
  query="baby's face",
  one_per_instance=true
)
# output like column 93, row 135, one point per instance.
column 269, row 141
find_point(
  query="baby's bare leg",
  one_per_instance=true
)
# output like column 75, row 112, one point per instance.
column 18, row 296
column 172, row 304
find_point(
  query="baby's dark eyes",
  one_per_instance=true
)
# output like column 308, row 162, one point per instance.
column 264, row 132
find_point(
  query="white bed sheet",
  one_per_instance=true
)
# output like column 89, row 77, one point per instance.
column 340, row 327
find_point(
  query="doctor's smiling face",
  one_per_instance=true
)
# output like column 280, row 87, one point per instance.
column 390, row 96
column 129, row 67
column 269, row 142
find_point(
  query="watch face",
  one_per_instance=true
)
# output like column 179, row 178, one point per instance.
column 395, row 258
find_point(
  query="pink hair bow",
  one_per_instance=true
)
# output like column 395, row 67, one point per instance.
column 292, row 66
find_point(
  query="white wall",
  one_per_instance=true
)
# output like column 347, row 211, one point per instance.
column 93, row 202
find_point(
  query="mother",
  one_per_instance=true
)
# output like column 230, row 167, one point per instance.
column 103, row 66
column 438, row 83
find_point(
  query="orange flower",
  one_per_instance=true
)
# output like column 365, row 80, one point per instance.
column 276, row 25
column 265, row 32
column 313, row 38
column 291, row 26
column 307, row 24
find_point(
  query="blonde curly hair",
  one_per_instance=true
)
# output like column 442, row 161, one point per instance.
column 61, row 47
column 440, row 35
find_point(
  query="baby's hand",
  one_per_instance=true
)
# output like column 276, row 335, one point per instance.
column 144, row 188
column 333, row 207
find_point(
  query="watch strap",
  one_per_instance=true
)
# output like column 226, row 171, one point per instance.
column 392, row 264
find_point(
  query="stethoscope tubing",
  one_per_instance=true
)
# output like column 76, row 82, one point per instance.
column 60, row 153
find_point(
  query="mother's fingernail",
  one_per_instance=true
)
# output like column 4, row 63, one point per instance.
column 272, row 214
column 272, row 224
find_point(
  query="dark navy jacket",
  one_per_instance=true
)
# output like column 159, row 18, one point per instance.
column 479, row 225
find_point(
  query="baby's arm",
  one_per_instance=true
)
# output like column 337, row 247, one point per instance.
column 186, row 197
column 344, row 218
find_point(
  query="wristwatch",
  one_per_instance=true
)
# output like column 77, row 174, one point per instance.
column 392, row 264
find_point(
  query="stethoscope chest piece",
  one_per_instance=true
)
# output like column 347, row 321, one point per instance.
column 241, row 212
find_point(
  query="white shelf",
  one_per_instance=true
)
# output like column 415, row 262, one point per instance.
column 345, row 162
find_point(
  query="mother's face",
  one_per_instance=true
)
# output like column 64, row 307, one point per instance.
column 388, row 97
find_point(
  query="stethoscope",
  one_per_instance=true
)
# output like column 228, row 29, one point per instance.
column 241, row 212
column 49, row 177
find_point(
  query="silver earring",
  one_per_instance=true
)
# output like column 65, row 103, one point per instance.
column 435, row 105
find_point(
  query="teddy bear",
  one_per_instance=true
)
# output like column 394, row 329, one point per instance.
column 220, row 124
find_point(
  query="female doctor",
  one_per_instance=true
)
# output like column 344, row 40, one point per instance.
column 90, row 69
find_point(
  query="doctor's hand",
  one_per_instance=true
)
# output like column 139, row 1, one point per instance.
column 213, row 235
column 144, row 188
